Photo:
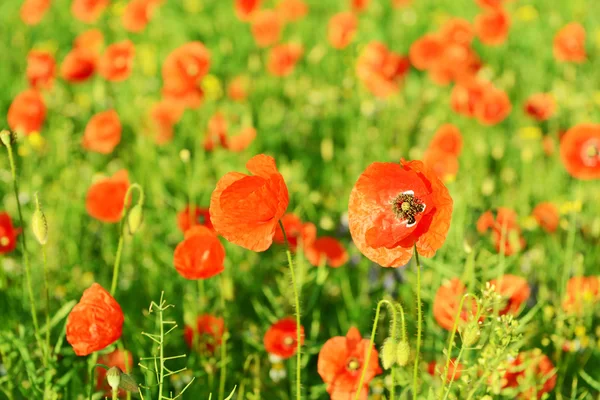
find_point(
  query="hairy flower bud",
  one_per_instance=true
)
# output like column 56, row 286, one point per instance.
column 403, row 353
column 388, row 353
column 39, row 225
column 470, row 334
column 134, row 219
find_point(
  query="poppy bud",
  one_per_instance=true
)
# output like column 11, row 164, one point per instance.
column 470, row 334
column 388, row 353
column 403, row 353
column 113, row 377
column 6, row 137
column 39, row 226
column 134, row 219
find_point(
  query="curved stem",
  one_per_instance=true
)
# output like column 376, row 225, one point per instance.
column 419, row 326
column 372, row 342
column 298, row 326
column 402, row 320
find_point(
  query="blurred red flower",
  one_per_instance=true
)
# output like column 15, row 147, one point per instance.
column 569, row 43
column 322, row 249
column 95, row 322
column 426, row 51
column 103, row 132
column 41, row 69
column 238, row 88
column 8, row 234
column 504, row 225
column 27, row 112
column 266, row 27
column 492, row 26
column 91, row 40
column 454, row 370
column 466, row 96
column 540, row 106
column 244, row 9
column 137, row 14
column 547, row 216
column 446, row 304
column 444, row 164
column 533, row 367
column 394, row 207
column 340, row 365
column 580, row 151
column 32, row 11
column 163, row 117
column 200, row 255
column 292, row 10
column 493, row 107
column 207, row 335
column 514, row 290
column 106, row 197
column 88, row 10
column 78, row 65
column 458, row 31
column 359, row 5
column 342, row 29
column 182, row 73
column 242, row 140
column 192, row 216
column 280, row 339
column 490, row 3
column 381, row 70
column 283, row 58
column 582, row 293
column 245, row 209
column 293, row 226
column 117, row 61
column 448, row 139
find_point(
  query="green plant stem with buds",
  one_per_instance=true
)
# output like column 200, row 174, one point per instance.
column 392, row 308
column 419, row 326
column 25, row 255
column 297, row 309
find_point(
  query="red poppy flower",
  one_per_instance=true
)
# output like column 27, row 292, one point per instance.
column 340, row 365
column 492, row 26
column 92, row 40
column 493, row 107
column 238, row 88
column 454, row 370
column 293, row 226
column 78, row 65
column 137, row 14
column 458, row 31
column 95, row 322
column 549, row 145
column 292, row 10
column 395, row 206
column 325, row 247
column 506, row 226
column 105, row 197
column 117, row 61
column 8, row 234
column 569, row 43
column 466, row 96
column 401, row 3
column 280, row 339
column 582, row 293
column 183, row 71
column 27, row 112
column 283, row 59
column 217, row 131
column 540, row 106
column 381, row 70
column 103, row 132
column 426, row 51
column 242, row 140
column 266, row 28
column 200, row 255
column 245, row 209
column 41, row 69
column 117, row 358
column 445, row 165
column 485, row 222
column 446, row 302
column 88, row 10
column 580, row 151
column 32, row 11
column 514, row 290
column 448, row 139
column 163, row 117
column 193, row 216
column 532, row 367
column 244, row 9
column 208, row 334
column 457, row 63
column 342, row 29
column 359, row 5
column 547, row 216
column 490, row 3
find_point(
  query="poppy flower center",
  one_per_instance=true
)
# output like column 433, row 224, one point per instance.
column 4, row 241
column 406, row 206
column 353, row 364
column 590, row 153
column 288, row 341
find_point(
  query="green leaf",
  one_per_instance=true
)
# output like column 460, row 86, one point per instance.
column 589, row 380
column 231, row 394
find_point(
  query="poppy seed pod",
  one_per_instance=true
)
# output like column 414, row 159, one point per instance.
column 388, row 353
column 403, row 353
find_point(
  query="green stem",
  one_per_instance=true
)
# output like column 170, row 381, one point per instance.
column 113, row 286
column 419, row 327
column 115, row 394
column 392, row 308
column 36, row 327
column 393, row 383
column 297, row 312
column 223, row 371
column 161, row 350
column 456, row 363
column 47, row 295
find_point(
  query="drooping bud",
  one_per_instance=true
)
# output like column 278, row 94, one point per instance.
column 403, row 353
column 470, row 334
column 388, row 352
column 113, row 377
column 134, row 218
column 39, row 225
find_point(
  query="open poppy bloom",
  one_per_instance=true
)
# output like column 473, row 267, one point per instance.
column 41, row 69
column 466, row 96
column 445, row 165
column 78, row 65
column 569, row 43
column 492, row 26
column 8, row 233
column 280, row 339
column 103, row 132
column 163, row 117
column 394, row 207
column 244, row 9
column 426, row 51
column 292, row 10
column 454, row 369
column 446, row 304
column 106, row 197
column 137, row 14
column 207, row 335
column 245, row 209
column 200, row 255
column 323, row 249
column 27, row 112
column 32, row 11
column 532, row 370
column 283, row 59
column 547, row 216
column 192, row 216
column 88, row 10
column 381, row 70
column 117, row 358
column 182, row 73
column 117, row 61
column 266, row 28
column 340, row 365
column 506, row 231
column 95, row 322
column 457, row 63
column 582, row 293
column 342, row 29
column 580, row 151
column 540, row 106
column 448, row 139
column 293, row 226
column 514, row 291
column 493, row 107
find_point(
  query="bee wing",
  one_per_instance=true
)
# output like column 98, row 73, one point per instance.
column 128, row 383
